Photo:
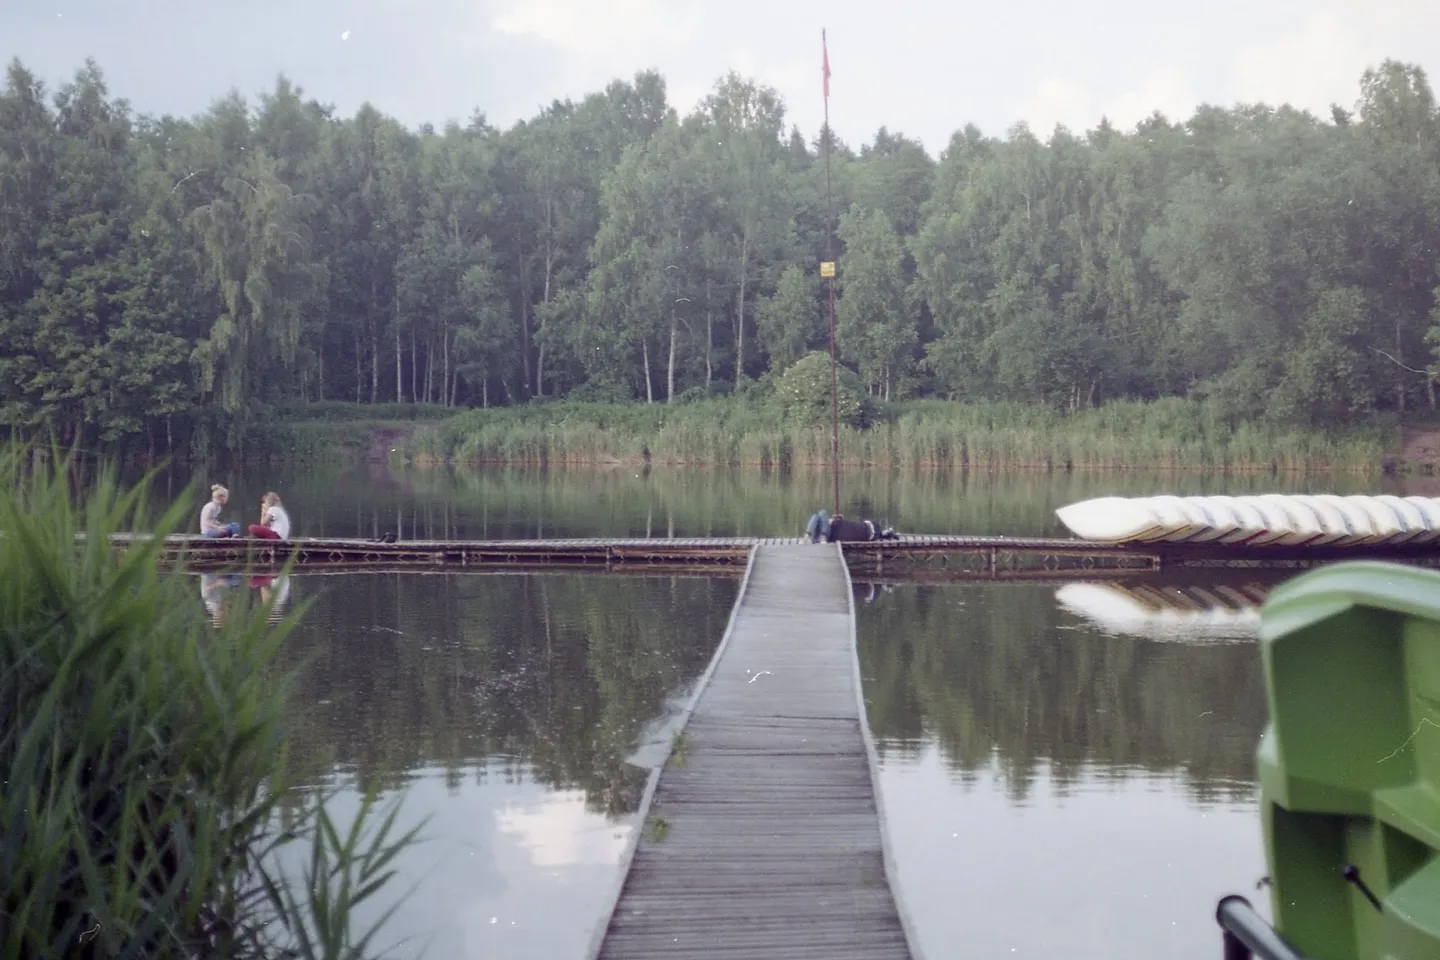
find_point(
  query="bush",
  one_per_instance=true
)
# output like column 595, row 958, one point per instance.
column 803, row 393
column 142, row 752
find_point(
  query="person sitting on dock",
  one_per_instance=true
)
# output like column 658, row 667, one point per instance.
column 818, row 529
column 274, row 521
column 837, row 529
column 210, row 525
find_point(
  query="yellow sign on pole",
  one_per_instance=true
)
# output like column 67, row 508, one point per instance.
column 827, row 268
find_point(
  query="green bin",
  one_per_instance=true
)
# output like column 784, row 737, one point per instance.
column 1350, row 761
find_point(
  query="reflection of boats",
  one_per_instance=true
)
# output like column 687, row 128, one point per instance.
column 1273, row 519
column 1192, row 613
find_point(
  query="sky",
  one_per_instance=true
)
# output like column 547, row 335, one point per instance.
column 921, row 67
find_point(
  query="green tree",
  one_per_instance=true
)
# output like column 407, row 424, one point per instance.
column 873, row 322
column 788, row 321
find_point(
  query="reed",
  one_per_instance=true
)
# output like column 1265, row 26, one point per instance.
column 1167, row 434
column 143, row 754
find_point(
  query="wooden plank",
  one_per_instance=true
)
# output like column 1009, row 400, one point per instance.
column 761, row 836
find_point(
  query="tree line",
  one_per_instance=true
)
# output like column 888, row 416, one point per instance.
column 164, row 277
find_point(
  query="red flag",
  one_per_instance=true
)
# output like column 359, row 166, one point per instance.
column 825, row 73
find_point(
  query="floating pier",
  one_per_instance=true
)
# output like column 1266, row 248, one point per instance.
column 911, row 556
column 761, row 834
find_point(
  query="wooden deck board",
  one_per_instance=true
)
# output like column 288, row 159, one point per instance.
column 772, row 844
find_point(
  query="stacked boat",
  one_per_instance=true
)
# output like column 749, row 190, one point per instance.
column 1272, row 519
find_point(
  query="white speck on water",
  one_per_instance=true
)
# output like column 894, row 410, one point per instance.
column 345, row 35
column 494, row 919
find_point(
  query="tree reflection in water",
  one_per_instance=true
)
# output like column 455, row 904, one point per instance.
column 552, row 676
column 1001, row 672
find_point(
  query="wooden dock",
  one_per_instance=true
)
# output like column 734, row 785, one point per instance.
column 951, row 557
column 761, row 835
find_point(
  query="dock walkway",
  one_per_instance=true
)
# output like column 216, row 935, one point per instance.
column 915, row 556
column 762, row 833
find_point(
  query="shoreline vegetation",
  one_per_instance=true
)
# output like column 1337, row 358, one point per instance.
column 119, row 698
column 1170, row 434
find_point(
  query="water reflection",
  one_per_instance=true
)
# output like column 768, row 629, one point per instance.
column 1054, row 787
column 509, row 707
column 868, row 591
column 368, row 500
column 509, row 867
column 1214, row 611
column 273, row 592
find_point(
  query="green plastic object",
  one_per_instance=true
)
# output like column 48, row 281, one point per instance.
column 1350, row 761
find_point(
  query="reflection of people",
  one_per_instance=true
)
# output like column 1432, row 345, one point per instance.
column 867, row 592
column 210, row 525
column 212, row 592
column 210, row 586
column 274, row 521
column 274, row 591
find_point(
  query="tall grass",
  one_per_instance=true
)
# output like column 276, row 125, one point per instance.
column 143, row 756
column 1172, row 434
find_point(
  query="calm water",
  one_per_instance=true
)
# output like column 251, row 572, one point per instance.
column 367, row 500
column 506, row 706
column 1054, row 787
column 1059, row 780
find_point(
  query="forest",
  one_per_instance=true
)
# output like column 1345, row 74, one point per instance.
column 166, row 278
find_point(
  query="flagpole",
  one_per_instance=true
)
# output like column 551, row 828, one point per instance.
column 830, row 258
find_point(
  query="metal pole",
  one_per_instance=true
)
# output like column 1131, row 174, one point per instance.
column 1248, row 935
column 830, row 256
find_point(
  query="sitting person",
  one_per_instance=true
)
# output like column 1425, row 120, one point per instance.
column 837, row 529
column 274, row 521
column 210, row 525
column 818, row 529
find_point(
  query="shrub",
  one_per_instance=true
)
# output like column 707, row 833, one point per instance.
column 143, row 755
column 803, row 393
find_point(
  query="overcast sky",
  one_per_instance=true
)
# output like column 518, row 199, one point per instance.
column 923, row 67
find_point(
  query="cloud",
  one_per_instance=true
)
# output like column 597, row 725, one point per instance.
column 1056, row 101
column 601, row 27
column 1167, row 90
column 1311, row 67
column 558, row 830
column 794, row 81
column 686, row 97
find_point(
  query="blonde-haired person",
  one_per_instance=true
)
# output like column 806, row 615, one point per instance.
column 210, row 525
column 274, row 521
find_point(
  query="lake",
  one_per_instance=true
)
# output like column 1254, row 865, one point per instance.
column 1057, row 780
